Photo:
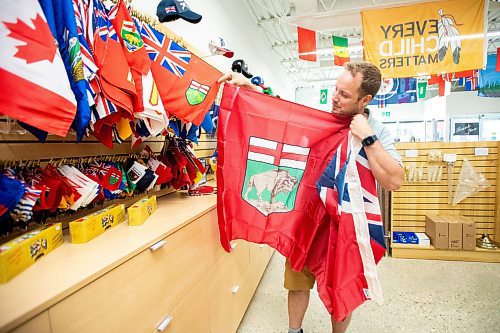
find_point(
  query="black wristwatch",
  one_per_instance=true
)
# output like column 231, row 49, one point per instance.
column 369, row 140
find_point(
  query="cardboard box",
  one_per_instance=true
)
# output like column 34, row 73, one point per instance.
column 23, row 251
column 468, row 235
column 436, row 227
column 454, row 232
column 139, row 212
column 89, row 227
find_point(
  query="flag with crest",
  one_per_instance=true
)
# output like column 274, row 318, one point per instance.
column 302, row 185
column 187, row 85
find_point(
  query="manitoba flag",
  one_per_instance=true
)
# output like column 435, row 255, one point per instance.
column 33, row 80
column 302, row 185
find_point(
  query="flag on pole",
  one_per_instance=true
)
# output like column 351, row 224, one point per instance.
column 307, row 44
column 323, row 96
column 340, row 50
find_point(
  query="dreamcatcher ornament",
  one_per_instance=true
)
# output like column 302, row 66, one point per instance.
column 469, row 182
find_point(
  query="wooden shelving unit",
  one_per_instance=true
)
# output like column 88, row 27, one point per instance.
column 414, row 200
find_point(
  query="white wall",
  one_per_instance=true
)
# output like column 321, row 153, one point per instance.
column 467, row 102
column 231, row 20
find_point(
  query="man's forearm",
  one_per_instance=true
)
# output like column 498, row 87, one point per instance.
column 388, row 173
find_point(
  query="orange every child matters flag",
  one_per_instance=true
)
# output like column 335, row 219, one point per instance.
column 295, row 179
column 33, row 81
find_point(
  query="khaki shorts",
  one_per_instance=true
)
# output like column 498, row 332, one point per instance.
column 303, row 280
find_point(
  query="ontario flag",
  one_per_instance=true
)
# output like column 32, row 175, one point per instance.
column 33, row 80
column 187, row 85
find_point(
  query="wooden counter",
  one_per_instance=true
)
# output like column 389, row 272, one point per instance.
column 61, row 289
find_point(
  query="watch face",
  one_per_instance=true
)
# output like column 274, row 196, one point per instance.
column 368, row 141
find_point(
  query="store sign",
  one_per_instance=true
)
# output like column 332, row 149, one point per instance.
column 428, row 38
column 466, row 129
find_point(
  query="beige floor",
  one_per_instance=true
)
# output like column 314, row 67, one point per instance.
column 420, row 296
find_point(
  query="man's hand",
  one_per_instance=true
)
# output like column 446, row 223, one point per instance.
column 360, row 127
column 239, row 80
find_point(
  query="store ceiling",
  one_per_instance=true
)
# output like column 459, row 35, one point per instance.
column 278, row 19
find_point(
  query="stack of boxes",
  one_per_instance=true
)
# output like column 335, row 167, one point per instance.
column 451, row 232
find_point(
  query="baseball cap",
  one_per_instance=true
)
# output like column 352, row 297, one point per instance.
column 241, row 67
column 171, row 10
column 218, row 46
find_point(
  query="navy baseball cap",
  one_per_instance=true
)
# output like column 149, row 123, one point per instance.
column 171, row 10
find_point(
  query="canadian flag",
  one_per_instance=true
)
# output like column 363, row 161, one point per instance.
column 33, row 82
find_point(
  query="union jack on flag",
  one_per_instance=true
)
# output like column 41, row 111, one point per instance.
column 166, row 52
column 348, row 190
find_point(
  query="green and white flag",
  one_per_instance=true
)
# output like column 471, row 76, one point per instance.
column 323, row 96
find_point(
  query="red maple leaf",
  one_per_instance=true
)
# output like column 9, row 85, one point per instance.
column 39, row 41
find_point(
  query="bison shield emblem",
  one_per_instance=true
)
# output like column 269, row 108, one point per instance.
column 273, row 173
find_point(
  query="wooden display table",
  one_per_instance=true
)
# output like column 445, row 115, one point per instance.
column 170, row 271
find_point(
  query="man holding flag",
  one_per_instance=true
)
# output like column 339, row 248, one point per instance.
column 339, row 274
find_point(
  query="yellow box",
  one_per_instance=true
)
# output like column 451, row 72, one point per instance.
column 89, row 227
column 139, row 212
column 23, row 251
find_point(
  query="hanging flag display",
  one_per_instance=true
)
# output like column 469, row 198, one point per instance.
column 341, row 53
column 307, row 44
column 323, row 96
column 489, row 79
column 426, row 38
column 33, row 80
column 187, row 85
column 282, row 191
column 396, row 91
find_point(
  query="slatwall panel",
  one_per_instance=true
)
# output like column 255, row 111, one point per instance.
column 414, row 200
column 16, row 147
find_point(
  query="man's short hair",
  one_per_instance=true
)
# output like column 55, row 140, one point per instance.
column 371, row 77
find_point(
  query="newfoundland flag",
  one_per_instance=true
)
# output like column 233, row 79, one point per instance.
column 273, row 173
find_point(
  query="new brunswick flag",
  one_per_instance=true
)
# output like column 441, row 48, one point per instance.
column 295, row 179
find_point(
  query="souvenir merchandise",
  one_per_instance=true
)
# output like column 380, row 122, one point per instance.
column 240, row 66
column 469, row 182
column 217, row 46
column 25, row 250
column 139, row 212
column 283, row 190
column 33, row 80
column 171, row 10
column 187, row 85
column 89, row 227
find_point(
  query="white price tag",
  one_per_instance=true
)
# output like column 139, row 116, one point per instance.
column 411, row 153
column 449, row 158
column 481, row 151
